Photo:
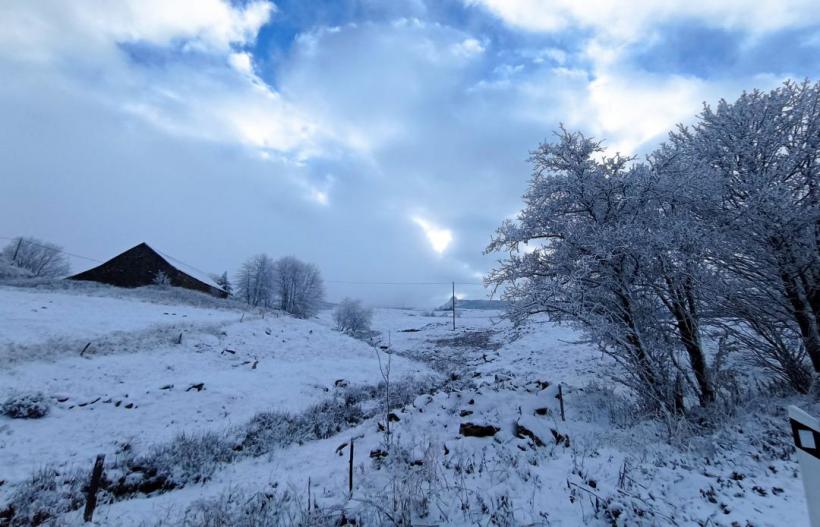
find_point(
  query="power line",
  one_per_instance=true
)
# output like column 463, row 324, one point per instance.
column 51, row 248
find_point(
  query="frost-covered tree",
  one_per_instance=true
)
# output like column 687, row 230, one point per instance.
column 610, row 246
column 571, row 255
column 39, row 258
column 299, row 289
column 223, row 282
column 256, row 281
column 763, row 151
column 352, row 318
column 676, row 245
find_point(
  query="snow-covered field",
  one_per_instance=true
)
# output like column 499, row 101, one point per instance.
column 599, row 466
column 31, row 316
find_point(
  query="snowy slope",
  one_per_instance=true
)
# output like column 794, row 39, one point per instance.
column 600, row 466
column 31, row 318
column 630, row 474
column 144, row 396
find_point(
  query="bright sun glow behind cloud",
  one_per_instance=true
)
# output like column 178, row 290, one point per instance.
column 439, row 238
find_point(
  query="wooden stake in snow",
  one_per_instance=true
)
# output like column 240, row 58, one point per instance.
column 84, row 349
column 561, row 400
column 350, row 469
column 93, row 486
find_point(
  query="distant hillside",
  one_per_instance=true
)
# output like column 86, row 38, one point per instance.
column 472, row 304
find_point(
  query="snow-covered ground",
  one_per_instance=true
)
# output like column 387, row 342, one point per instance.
column 42, row 323
column 599, row 466
column 144, row 395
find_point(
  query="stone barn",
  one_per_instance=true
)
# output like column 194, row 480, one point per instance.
column 140, row 266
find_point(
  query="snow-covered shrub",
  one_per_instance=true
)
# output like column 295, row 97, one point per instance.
column 161, row 279
column 268, row 430
column 271, row 508
column 47, row 494
column 187, row 459
column 352, row 318
column 25, row 405
column 9, row 271
column 328, row 418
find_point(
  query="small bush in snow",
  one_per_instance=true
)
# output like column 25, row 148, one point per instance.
column 188, row 459
column 268, row 430
column 9, row 271
column 272, row 508
column 352, row 318
column 47, row 494
column 162, row 280
column 25, row 405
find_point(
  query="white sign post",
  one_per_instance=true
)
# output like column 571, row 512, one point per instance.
column 806, row 432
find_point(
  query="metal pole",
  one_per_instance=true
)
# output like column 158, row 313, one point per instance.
column 454, row 306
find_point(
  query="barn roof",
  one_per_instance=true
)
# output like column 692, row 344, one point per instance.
column 129, row 269
column 202, row 276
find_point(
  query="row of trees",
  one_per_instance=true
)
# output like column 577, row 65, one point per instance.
column 288, row 284
column 713, row 240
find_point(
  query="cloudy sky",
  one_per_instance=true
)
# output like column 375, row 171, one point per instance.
column 382, row 140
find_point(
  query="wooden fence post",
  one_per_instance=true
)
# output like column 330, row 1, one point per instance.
column 93, row 486
column 561, row 399
column 350, row 470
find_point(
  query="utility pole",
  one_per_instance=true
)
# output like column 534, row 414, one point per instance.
column 454, row 306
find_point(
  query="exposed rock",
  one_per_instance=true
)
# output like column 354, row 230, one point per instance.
column 474, row 430
column 198, row 387
column 542, row 411
column 560, row 438
column 465, row 413
column 393, row 417
column 378, row 454
column 522, row 432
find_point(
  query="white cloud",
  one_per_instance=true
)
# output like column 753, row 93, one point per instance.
column 438, row 237
column 241, row 62
column 633, row 110
column 49, row 29
column 632, row 20
column 467, row 48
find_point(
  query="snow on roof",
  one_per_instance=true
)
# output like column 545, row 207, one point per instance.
column 200, row 275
